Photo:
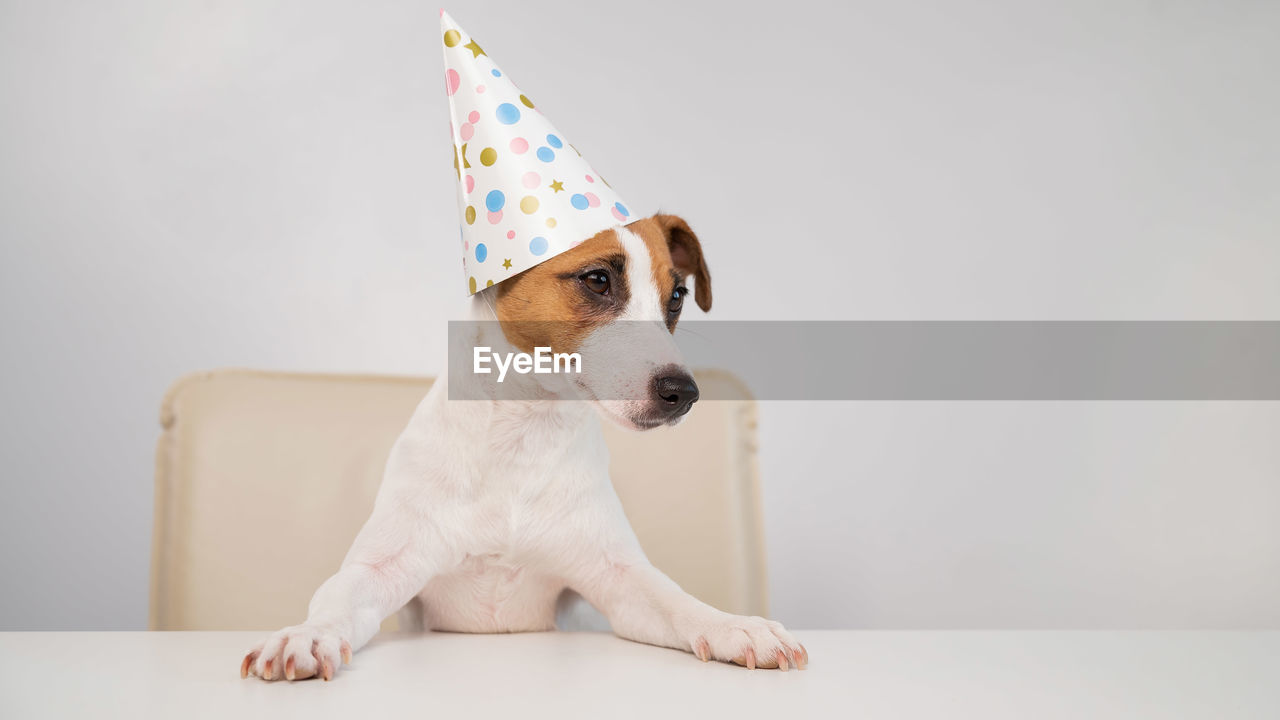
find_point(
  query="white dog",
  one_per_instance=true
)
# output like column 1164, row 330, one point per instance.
column 491, row 510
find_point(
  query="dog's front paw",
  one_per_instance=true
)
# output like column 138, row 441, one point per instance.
column 297, row 652
column 750, row 641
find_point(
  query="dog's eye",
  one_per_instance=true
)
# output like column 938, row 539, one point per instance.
column 677, row 300
column 597, row 281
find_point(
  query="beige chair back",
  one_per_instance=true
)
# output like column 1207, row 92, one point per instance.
column 263, row 479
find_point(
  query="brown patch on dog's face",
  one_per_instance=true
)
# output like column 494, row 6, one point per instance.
column 555, row 304
column 558, row 303
column 674, row 255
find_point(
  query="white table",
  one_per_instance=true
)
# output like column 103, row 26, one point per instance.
column 1024, row 675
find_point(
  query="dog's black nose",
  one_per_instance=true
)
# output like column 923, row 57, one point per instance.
column 675, row 394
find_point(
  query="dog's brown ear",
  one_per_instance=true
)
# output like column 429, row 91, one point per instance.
column 686, row 255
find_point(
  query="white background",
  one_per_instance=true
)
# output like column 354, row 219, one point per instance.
column 189, row 185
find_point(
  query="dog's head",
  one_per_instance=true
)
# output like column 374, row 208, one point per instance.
column 615, row 300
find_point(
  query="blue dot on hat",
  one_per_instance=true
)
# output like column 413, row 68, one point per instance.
column 508, row 114
column 622, row 209
column 579, row 201
column 482, row 252
column 554, row 142
column 495, row 200
column 546, row 154
column 538, row 245
column 495, row 72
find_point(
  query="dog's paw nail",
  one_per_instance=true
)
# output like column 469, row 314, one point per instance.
column 290, row 671
column 244, row 664
column 780, row 657
column 266, row 670
column 326, row 670
column 750, row 656
column 346, row 653
column 701, row 649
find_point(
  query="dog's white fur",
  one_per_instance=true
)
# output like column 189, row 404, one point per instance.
column 489, row 511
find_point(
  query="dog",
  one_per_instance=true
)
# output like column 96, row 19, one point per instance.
column 492, row 511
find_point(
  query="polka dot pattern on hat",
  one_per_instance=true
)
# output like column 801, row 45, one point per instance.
column 524, row 193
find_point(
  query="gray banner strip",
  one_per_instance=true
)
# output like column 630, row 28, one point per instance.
column 990, row 360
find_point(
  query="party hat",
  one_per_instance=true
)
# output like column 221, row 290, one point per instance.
column 525, row 194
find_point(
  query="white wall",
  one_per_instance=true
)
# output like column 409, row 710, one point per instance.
column 187, row 185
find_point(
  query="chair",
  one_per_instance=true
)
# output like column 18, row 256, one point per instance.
column 263, row 479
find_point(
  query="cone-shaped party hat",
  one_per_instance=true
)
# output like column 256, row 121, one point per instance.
column 524, row 193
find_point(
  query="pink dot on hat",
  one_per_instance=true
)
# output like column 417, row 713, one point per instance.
column 531, row 179
column 592, row 200
column 480, row 89
column 473, row 117
column 511, row 234
column 495, row 217
column 471, row 183
column 590, row 179
column 451, row 81
column 466, row 131
column 519, row 146
column 619, row 215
